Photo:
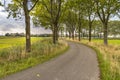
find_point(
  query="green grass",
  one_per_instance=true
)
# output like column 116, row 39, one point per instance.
column 108, row 57
column 6, row 42
column 15, row 59
column 114, row 42
column 103, row 64
column 100, row 41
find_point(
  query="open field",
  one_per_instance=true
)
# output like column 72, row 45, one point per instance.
column 109, row 58
column 114, row 42
column 15, row 58
column 6, row 42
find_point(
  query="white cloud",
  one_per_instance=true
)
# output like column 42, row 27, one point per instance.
column 12, row 26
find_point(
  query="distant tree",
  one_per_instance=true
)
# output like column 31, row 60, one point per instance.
column 7, row 34
column 70, row 17
column 90, row 13
column 114, row 28
column 97, row 29
column 71, row 22
column 105, row 10
column 61, row 29
column 80, row 9
column 0, row 3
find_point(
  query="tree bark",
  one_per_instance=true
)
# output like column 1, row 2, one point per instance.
column 90, row 29
column 79, row 34
column 55, row 34
column 79, row 23
column 105, row 34
column 79, row 30
column 66, row 35
column 61, row 33
column 69, row 35
column 94, row 33
column 27, row 22
column 73, row 36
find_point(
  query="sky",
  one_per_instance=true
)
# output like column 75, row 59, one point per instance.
column 13, row 26
column 16, row 26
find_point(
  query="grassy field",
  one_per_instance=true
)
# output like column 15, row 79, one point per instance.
column 100, row 41
column 109, row 58
column 15, row 58
column 6, row 42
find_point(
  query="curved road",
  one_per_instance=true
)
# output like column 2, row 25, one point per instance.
column 79, row 63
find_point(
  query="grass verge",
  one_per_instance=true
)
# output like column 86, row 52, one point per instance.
column 108, row 57
column 104, row 65
column 109, row 60
column 17, row 60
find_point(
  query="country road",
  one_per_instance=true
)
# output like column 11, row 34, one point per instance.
column 78, row 63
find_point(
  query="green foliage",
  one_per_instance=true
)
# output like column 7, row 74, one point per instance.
column 114, row 27
column 0, row 3
column 16, row 6
column 46, row 13
column 14, row 10
column 43, row 17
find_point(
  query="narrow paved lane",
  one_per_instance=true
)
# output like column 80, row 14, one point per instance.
column 79, row 63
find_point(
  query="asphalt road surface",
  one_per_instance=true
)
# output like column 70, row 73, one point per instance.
column 78, row 63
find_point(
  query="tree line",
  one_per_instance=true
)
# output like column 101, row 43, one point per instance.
column 72, row 16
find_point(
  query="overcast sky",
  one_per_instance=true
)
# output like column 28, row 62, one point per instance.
column 12, row 26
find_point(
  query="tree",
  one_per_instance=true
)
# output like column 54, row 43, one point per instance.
column 0, row 3
column 61, row 29
column 15, row 10
column 71, row 20
column 106, row 9
column 90, row 12
column 81, row 11
column 114, row 28
column 97, row 29
column 70, row 17
column 49, row 15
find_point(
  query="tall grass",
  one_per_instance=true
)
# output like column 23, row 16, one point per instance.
column 109, row 58
column 6, row 42
column 15, row 59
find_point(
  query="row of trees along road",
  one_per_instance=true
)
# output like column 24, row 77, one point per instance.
column 72, row 15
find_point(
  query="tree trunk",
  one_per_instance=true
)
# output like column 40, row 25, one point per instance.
column 27, row 22
column 94, row 33
column 83, row 34
column 61, row 33
column 73, row 36
column 55, row 34
column 105, row 34
column 69, row 35
column 90, row 29
column 66, row 33
column 79, row 24
column 79, row 30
